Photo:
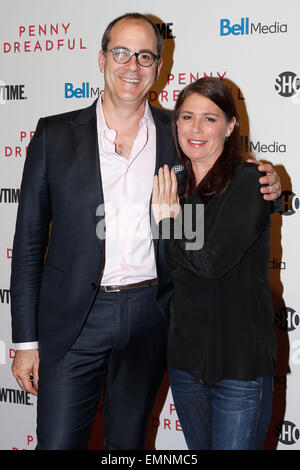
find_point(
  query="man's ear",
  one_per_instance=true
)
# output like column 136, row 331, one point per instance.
column 158, row 69
column 101, row 60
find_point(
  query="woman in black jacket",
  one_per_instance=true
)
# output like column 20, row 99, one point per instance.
column 221, row 348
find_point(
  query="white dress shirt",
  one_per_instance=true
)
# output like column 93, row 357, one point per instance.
column 127, row 187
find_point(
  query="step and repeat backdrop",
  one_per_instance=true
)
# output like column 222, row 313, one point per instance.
column 48, row 65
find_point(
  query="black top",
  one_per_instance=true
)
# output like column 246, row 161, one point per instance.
column 221, row 323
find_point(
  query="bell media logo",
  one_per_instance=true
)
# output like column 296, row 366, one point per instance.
column 248, row 145
column 246, row 27
column 287, row 84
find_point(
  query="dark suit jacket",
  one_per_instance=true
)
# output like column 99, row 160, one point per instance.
column 221, row 321
column 61, row 186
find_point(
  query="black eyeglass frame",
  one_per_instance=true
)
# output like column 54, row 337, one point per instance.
column 155, row 57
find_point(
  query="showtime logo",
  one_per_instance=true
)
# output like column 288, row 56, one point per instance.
column 245, row 27
column 287, row 84
column 290, row 203
column 287, row 432
column 166, row 30
column 4, row 296
column 287, row 319
column 18, row 397
column 11, row 93
column 2, row 100
column 9, row 195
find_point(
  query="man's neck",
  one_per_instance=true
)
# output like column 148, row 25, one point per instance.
column 123, row 117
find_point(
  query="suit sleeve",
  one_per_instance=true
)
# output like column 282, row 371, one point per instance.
column 30, row 240
column 241, row 218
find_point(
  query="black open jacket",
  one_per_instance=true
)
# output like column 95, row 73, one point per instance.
column 221, row 323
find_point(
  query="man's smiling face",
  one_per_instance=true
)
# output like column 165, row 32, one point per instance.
column 129, row 82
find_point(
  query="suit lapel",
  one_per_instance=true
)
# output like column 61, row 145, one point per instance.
column 165, row 147
column 84, row 128
column 164, row 154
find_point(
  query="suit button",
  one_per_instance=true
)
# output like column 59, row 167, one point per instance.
column 94, row 285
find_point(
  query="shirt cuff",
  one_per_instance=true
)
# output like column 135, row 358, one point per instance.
column 27, row 345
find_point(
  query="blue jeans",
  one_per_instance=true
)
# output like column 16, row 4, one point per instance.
column 225, row 415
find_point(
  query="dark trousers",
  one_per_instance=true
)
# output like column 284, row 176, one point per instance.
column 122, row 348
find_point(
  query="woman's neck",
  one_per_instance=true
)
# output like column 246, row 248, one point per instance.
column 201, row 169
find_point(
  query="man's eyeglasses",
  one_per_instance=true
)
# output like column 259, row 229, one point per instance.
column 122, row 56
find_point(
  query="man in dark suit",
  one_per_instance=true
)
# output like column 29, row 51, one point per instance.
column 88, row 311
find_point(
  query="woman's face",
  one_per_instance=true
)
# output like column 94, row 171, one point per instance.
column 202, row 128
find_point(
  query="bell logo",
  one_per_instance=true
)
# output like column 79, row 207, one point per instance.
column 245, row 27
column 85, row 91
column 287, row 432
column 236, row 29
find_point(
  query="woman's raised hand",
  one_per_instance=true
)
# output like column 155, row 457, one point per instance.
column 165, row 200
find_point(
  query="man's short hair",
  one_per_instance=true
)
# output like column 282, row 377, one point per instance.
column 137, row 17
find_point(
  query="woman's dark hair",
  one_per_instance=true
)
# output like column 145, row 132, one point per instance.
column 136, row 17
column 222, row 172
